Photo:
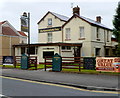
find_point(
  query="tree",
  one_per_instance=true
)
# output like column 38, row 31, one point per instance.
column 116, row 30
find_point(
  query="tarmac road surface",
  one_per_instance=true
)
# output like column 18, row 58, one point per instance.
column 21, row 87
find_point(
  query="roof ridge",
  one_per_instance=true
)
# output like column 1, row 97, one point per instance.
column 94, row 22
column 62, row 17
column 60, row 14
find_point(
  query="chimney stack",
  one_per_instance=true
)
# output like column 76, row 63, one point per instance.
column 98, row 19
column 76, row 10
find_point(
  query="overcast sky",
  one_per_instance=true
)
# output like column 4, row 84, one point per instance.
column 12, row 10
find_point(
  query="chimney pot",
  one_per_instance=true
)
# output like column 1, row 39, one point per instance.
column 76, row 10
column 98, row 19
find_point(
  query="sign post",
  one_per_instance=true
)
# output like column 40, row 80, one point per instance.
column 25, row 27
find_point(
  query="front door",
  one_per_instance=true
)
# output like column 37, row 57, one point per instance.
column 76, row 52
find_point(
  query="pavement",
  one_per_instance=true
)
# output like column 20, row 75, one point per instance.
column 85, row 81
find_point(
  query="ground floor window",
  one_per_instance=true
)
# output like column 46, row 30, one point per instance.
column 48, row 54
column 97, row 51
column 66, row 48
column 22, row 50
column 107, row 52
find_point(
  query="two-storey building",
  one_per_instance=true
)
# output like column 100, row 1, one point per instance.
column 77, row 36
column 10, row 36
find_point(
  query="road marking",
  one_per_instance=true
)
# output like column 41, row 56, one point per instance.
column 30, row 81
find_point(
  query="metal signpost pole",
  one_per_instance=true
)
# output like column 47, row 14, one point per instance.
column 28, row 34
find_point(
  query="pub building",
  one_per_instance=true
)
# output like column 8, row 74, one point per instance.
column 76, row 36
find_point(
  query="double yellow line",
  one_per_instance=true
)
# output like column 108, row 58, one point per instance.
column 30, row 81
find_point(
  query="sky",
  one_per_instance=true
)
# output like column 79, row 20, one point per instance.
column 13, row 9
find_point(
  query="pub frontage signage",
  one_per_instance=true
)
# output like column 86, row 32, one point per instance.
column 108, row 64
column 53, row 29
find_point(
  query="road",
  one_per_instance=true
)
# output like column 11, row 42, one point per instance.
column 20, row 87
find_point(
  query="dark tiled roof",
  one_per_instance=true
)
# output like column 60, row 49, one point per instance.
column 8, row 31
column 22, row 33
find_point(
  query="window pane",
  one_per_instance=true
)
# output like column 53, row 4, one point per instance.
column 107, row 36
column 63, row 47
column 49, row 21
column 22, row 50
column 82, row 32
column 49, row 37
column 48, row 54
column 97, row 51
column 67, row 33
column 32, row 50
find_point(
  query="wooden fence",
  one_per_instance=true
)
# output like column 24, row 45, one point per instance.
column 17, row 61
column 1, row 59
column 72, row 63
column 32, row 62
column 67, row 62
column 48, row 62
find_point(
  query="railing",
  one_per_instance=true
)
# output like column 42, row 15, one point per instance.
column 67, row 62
column 72, row 63
column 17, row 61
column 33, row 62
column 1, row 59
column 48, row 62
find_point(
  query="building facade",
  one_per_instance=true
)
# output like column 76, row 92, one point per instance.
column 76, row 36
column 9, row 36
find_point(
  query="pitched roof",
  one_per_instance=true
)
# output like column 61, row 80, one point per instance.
column 61, row 17
column 94, row 22
column 2, row 22
column 90, row 21
column 22, row 33
column 67, row 19
column 8, row 31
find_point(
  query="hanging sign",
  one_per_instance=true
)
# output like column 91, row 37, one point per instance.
column 24, row 24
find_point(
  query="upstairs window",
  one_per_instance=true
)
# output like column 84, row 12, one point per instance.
column 49, row 21
column 67, row 33
column 98, row 33
column 107, row 36
column 82, row 35
column 49, row 37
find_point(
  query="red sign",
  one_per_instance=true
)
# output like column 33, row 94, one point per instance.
column 108, row 64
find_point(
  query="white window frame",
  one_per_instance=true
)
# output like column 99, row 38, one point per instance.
column 97, row 33
column 82, row 32
column 67, row 34
column 107, row 36
column 49, row 21
column 49, row 37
